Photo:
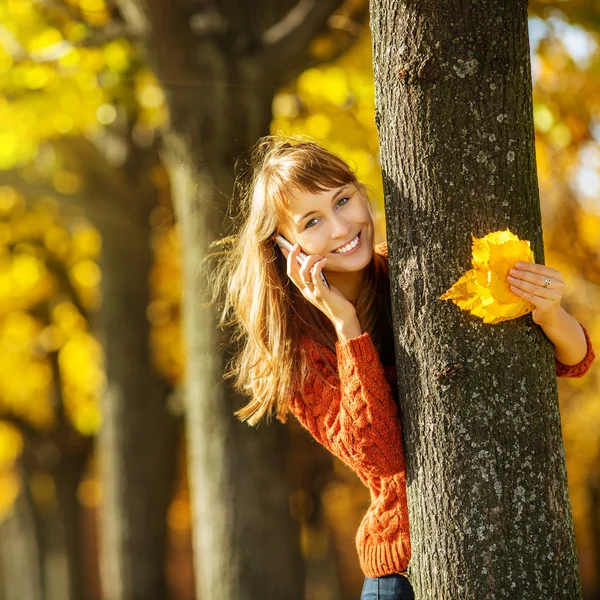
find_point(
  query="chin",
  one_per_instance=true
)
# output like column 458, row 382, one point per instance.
column 355, row 262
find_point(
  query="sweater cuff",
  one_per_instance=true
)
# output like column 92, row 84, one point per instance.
column 358, row 349
column 581, row 368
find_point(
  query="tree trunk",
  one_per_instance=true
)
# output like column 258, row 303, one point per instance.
column 137, row 443
column 244, row 539
column 43, row 542
column 67, row 476
column 21, row 570
column 138, row 439
column 594, row 514
column 488, row 501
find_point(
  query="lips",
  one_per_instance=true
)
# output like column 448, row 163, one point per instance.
column 336, row 251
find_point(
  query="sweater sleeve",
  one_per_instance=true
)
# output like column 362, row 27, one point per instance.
column 581, row 368
column 355, row 418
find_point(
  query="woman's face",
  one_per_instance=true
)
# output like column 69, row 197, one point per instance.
column 328, row 223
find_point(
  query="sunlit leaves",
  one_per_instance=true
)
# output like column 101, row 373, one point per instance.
column 53, row 87
column 151, row 100
column 484, row 290
column 589, row 229
column 95, row 12
column 25, row 375
column 81, row 366
column 11, row 446
column 22, row 276
column 566, row 106
column 117, row 55
column 9, row 489
column 44, row 38
column 39, row 254
column 164, row 308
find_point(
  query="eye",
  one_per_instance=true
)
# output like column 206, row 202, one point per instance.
column 345, row 201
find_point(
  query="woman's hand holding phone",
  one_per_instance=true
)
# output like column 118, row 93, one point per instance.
column 307, row 278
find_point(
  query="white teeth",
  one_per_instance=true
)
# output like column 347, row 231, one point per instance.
column 348, row 247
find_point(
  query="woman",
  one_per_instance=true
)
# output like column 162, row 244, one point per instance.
column 326, row 354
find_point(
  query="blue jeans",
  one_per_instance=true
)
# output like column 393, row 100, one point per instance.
column 388, row 587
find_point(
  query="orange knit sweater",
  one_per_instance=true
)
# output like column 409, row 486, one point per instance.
column 357, row 420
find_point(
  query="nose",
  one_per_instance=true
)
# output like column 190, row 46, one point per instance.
column 340, row 228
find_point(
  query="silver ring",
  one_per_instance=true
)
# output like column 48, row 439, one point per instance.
column 547, row 282
column 307, row 281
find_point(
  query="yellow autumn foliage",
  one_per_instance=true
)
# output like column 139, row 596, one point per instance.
column 9, row 490
column 484, row 290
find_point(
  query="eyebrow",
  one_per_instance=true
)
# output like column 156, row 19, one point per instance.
column 333, row 198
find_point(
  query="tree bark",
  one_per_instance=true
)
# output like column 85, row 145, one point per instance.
column 488, row 500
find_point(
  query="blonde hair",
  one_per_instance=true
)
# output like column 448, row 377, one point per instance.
column 269, row 315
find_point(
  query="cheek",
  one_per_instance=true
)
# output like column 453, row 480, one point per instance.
column 367, row 217
column 311, row 244
column 365, row 212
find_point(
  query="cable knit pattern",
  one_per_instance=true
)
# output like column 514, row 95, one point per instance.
column 356, row 419
column 353, row 414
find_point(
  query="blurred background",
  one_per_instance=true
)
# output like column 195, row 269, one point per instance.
column 81, row 118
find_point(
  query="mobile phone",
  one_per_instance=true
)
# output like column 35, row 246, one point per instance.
column 301, row 257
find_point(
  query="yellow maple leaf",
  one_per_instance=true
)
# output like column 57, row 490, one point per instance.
column 484, row 290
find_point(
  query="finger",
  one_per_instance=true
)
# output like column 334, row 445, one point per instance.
column 539, row 297
column 307, row 267
column 539, row 270
column 521, row 275
column 316, row 273
column 293, row 267
column 292, row 262
column 534, row 288
column 535, row 285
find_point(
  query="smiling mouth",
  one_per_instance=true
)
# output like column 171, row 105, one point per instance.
column 347, row 248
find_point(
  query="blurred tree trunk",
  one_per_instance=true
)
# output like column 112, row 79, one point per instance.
column 137, row 443
column 21, row 569
column 220, row 66
column 138, row 440
column 594, row 512
column 237, row 474
column 41, row 546
column 488, row 500
column 57, row 457
column 67, row 476
column 60, row 535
